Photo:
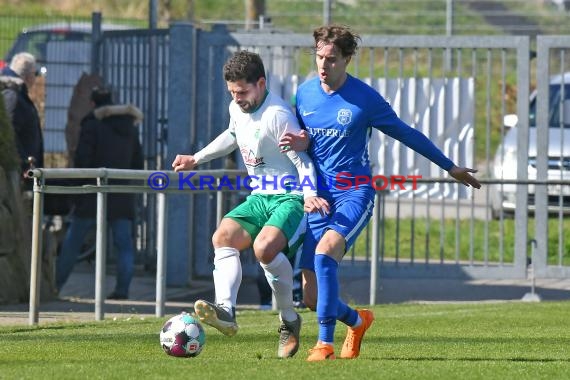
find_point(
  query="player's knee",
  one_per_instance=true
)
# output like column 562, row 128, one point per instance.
column 221, row 238
column 264, row 251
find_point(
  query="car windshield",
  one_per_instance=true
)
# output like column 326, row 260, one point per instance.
column 555, row 105
column 35, row 42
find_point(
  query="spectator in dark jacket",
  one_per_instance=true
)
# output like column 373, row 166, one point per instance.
column 15, row 81
column 109, row 138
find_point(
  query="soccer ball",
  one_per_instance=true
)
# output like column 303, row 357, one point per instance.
column 182, row 336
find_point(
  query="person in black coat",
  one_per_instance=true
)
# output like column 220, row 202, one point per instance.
column 15, row 81
column 109, row 138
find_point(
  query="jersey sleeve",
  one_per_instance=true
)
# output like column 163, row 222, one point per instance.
column 306, row 171
column 386, row 120
column 287, row 122
column 299, row 118
column 221, row 146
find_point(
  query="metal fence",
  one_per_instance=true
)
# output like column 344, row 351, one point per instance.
column 439, row 233
column 154, row 183
column 448, row 230
column 162, row 185
column 102, row 175
column 427, row 234
column 552, row 254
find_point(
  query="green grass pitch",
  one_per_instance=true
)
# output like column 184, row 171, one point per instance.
column 510, row 340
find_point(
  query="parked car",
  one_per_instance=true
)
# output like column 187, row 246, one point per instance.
column 67, row 46
column 505, row 160
column 34, row 39
column 563, row 5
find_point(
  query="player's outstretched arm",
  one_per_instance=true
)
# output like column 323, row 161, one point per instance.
column 463, row 175
column 299, row 142
column 183, row 162
column 221, row 146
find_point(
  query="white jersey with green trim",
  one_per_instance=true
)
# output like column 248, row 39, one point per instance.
column 257, row 135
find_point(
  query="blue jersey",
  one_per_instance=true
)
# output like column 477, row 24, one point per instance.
column 339, row 126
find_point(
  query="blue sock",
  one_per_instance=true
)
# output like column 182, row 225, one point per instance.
column 346, row 314
column 327, row 301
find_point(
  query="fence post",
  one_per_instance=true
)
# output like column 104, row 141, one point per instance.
column 179, row 140
column 377, row 221
column 96, row 31
column 532, row 296
column 160, row 254
column 101, row 250
column 36, row 264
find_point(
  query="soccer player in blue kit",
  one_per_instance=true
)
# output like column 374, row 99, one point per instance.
column 337, row 112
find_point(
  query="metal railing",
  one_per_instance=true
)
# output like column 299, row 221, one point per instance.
column 151, row 184
column 146, row 181
column 102, row 188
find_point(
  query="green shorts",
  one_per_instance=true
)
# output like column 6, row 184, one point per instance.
column 284, row 211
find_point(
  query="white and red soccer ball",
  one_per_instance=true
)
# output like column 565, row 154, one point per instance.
column 182, row 336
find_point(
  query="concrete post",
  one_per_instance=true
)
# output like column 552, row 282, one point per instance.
column 180, row 111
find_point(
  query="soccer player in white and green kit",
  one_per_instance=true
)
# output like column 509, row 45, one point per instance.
column 271, row 219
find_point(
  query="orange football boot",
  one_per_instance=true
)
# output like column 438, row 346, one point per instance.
column 351, row 346
column 321, row 352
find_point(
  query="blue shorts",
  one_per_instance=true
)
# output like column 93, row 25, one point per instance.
column 350, row 213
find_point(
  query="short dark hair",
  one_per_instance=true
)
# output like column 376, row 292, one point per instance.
column 244, row 65
column 101, row 96
column 340, row 36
